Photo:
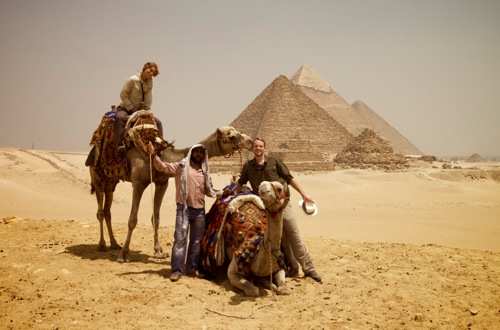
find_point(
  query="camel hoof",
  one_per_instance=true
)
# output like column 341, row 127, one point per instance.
column 252, row 293
column 122, row 259
column 102, row 248
column 115, row 247
column 284, row 291
column 251, row 290
column 159, row 255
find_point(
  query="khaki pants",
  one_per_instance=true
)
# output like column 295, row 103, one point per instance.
column 293, row 247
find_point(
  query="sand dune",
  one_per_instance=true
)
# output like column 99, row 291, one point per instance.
column 413, row 249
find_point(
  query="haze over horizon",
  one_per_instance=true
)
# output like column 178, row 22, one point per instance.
column 431, row 69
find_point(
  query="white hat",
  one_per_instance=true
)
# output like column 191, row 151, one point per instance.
column 308, row 207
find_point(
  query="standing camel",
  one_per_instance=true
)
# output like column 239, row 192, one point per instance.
column 256, row 255
column 224, row 141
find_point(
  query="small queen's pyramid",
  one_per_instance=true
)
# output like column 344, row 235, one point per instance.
column 368, row 150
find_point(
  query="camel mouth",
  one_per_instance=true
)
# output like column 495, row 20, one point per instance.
column 272, row 194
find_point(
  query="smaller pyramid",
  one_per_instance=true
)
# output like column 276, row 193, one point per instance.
column 368, row 150
column 384, row 129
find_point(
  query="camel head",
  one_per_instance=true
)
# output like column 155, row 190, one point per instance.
column 230, row 140
column 273, row 195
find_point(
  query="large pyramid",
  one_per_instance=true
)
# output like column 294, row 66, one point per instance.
column 354, row 118
column 384, row 129
column 320, row 92
column 294, row 127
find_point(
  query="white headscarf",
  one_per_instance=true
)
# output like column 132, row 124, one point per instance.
column 185, row 173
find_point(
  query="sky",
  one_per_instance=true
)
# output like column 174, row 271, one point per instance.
column 430, row 68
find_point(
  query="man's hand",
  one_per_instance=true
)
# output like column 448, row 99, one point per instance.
column 226, row 192
column 150, row 148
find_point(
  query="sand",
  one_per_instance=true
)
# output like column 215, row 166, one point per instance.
column 413, row 249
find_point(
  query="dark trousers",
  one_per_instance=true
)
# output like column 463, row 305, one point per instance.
column 121, row 117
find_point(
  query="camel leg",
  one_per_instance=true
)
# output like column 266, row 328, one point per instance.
column 107, row 216
column 240, row 281
column 160, row 190
column 100, row 216
column 138, row 190
column 280, row 280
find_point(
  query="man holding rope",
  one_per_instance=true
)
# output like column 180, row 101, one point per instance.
column 192, row 184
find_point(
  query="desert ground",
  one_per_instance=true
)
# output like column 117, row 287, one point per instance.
column 416, row 249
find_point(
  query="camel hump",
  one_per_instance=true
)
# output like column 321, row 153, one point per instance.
column 141, row 129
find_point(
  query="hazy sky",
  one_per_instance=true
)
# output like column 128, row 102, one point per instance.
column 431, row 68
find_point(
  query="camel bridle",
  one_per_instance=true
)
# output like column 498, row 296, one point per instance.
column 221, row 141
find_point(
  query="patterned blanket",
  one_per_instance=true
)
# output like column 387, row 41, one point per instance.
column 238, row 222
column 140, row 130
column 104, row 141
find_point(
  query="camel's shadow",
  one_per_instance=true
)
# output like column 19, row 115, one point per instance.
column 90, row 252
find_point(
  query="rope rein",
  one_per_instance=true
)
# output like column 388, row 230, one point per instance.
column 270, row 248
column 151, row 183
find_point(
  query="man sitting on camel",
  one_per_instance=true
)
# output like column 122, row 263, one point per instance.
column 136, row 94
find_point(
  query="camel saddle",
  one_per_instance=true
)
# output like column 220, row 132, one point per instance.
column 241, row 220
column 140, row 129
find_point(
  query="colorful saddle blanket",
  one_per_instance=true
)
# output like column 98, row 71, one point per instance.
column 139, row 130
column 104, row 141
column 212, row 254
column 248, row 226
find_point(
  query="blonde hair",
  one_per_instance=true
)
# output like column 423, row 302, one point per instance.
column 151, row 65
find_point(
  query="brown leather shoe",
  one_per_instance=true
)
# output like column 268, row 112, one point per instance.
column 196, row 274
column 293, row 272
column 174, row 277
column 312, row 274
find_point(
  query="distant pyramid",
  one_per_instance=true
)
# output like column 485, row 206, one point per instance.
column 385, row 130
column 475, row 158
column 368, row 150
column 356, row 117
column 295, row 128
column 320, row 92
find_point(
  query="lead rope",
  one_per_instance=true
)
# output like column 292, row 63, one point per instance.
column 271, row 270
column 252, row 315
column 152, row 195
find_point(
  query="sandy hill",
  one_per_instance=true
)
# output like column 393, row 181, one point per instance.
column 400, row 143
column 294, row 127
